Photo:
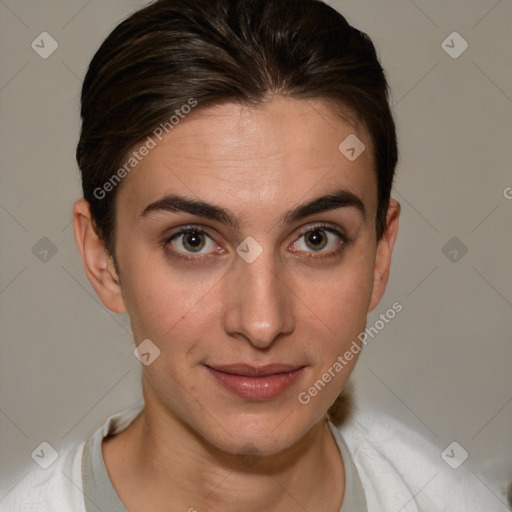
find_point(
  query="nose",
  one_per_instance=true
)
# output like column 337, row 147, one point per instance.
column 260, row 305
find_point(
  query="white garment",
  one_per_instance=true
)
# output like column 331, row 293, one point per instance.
column 400, row 472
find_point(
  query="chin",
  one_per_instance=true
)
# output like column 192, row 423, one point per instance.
column 264, row 433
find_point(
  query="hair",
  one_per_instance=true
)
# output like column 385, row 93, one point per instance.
column 174, row 53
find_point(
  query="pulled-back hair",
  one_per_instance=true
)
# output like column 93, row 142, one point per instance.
column 177, row 53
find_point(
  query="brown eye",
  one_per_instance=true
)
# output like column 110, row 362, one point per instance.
column 321, row 239
column 316, row 239
column 193, row 241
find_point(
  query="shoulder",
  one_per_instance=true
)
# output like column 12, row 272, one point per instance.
column 401, row 469
column 57, row 488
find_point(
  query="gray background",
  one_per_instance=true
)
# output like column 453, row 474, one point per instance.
column 442, row 365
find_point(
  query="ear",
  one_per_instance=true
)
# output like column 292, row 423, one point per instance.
column 383, row 256
column 98, row 263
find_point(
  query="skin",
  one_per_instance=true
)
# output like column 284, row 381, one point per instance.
column 294, row 304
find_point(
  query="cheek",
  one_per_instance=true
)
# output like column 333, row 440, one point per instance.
column 341, row 296
column 165, row 303
column 340, row 300
column 342, row 305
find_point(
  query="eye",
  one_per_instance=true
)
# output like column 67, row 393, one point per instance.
column 321, row 239
column 192, row 241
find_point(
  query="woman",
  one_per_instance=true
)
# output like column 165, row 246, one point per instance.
column 237, row 159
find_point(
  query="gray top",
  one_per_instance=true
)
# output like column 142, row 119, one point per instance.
column 100, row 494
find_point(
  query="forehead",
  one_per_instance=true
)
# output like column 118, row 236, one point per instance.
column 260, row 157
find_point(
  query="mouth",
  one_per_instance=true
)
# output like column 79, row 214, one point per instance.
column 256, row 383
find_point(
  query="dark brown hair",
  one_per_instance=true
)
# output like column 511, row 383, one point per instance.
column 173, row 52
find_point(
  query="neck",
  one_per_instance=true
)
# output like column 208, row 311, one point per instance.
column 173, row 465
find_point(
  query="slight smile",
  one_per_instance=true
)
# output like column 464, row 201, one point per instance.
column 256, row 383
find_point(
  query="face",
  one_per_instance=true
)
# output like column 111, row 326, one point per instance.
column 247, row 254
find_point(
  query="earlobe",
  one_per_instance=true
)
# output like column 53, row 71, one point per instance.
column 384, row 252
column 98, row 263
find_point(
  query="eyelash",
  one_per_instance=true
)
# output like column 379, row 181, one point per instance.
column 185, row 231
column 197, row 229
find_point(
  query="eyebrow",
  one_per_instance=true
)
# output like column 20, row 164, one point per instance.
column 176, row 203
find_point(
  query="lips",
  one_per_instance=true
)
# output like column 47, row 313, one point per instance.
column 251, row 371
column 256, row 383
